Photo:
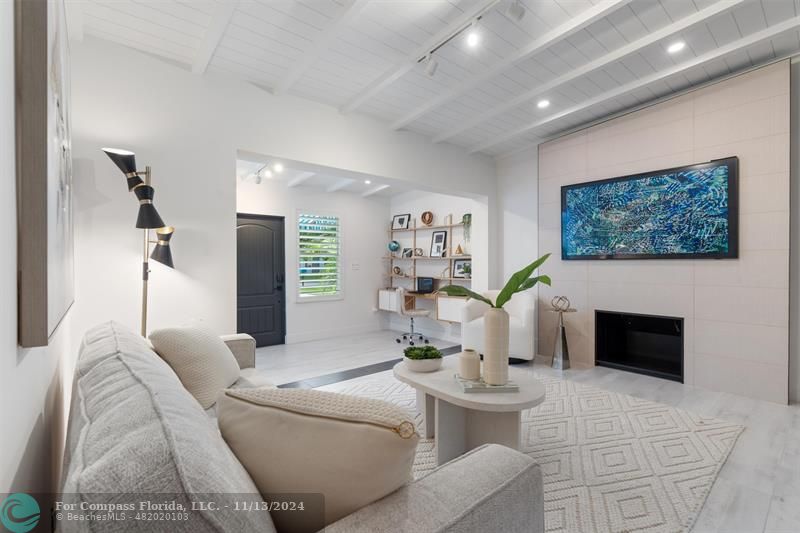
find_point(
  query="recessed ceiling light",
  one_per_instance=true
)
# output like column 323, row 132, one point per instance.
column 278, row 167
column 543, row 104
column 676, row 47
column 516, row 11
column 367, row 182
column 473, row 36
column 265, row 173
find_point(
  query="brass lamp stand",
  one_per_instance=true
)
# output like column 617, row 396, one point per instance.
column 148, row 219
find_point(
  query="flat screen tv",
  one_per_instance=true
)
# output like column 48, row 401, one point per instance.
column 679, row 213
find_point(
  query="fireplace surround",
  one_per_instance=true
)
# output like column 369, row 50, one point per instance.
column 645, row 344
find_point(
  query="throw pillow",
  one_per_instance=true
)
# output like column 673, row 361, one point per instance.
column 201, row 360
column 352, row 450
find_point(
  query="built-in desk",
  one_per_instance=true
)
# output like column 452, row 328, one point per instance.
column 446, row 308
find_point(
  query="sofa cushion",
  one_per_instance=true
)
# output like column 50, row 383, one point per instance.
column 353, row 450
column 134, row 429
column 202, row 361
column 251, row 378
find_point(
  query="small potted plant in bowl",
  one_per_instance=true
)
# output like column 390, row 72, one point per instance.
column 423, row 358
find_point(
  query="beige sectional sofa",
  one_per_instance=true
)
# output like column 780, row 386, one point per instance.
column 135, row 430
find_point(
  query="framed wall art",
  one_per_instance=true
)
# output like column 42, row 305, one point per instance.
column 401, row 221
column 438, row 243
column 44, row 170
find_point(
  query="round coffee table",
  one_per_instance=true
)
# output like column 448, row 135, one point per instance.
column 461, row 421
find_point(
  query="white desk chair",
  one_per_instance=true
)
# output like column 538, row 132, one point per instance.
column 409, row 336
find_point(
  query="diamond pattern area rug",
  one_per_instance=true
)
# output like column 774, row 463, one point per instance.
column 611, row 462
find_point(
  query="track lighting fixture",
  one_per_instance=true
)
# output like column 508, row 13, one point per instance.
column 431, row 65
column 515, row 11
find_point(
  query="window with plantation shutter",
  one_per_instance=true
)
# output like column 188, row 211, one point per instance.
column 318, row 256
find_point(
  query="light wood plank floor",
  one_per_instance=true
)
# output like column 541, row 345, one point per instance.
column 757, row 491
column 294, row 362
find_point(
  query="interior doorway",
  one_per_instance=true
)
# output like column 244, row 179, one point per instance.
column 261, row 278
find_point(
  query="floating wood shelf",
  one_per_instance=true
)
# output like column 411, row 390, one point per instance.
column 397, row 276
column 422, row 228
column 424, row 258
column 448, row 259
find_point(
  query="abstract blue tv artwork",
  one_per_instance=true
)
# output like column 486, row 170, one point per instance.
column 688, row 212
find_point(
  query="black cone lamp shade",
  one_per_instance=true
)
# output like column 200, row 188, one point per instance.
column 148, row 216
column 126, row 162
column 162, row 252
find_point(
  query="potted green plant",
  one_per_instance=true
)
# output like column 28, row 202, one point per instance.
column 423, row 358
column 495, row 357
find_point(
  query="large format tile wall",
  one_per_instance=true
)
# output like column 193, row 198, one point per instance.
column 736, row 312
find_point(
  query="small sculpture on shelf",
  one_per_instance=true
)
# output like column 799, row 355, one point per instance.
column 393, row 246
column 427, row 218
column 459, row 251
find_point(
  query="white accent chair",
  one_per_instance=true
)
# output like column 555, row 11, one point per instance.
column 521, row 317
column 409, row 336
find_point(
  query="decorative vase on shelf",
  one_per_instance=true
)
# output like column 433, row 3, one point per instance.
column 495, row 357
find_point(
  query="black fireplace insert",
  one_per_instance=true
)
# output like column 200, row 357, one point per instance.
column 645, row 344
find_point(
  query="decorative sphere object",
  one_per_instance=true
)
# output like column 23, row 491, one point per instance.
column 560, row 303
column 393, row 246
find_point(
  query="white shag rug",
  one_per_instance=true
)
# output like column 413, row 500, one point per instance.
column 611, row 462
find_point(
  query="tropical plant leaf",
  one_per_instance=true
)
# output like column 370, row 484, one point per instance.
column 516, row 281
column 531, row 282
column 458, row 290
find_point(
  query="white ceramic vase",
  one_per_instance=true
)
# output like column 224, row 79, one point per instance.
column 495, row 356
column 469, row 365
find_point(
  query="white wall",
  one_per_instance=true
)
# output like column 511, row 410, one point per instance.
column 518, row 215
column 417, row 202
column 518, row 198
column 736, row 312
column 363, row 234
column 189, row 129
column 32, row 410
column 794, row 259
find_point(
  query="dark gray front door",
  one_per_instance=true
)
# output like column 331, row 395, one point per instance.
column 261, row 272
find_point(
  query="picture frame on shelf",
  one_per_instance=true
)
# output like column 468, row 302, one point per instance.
column 438, row 243
column 462, row 268
column 408, row 253
column 401, row 221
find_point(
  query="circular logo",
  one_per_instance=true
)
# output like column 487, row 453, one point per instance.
column 20, row 513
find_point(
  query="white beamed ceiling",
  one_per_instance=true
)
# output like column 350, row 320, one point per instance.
column 334, row 51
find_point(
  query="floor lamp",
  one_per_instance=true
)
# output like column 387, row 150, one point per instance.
column 147, row 219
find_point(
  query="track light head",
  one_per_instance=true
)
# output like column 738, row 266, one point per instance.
column 431, row 65
column 516, row 11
